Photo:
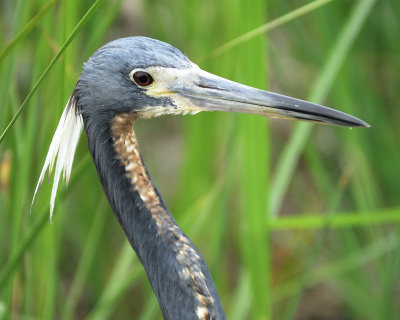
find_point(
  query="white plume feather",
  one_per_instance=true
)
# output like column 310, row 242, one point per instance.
column 63, row 144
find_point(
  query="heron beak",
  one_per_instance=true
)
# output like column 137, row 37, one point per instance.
column 208, row 92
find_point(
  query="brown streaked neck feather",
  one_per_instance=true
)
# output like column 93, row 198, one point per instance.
column 176, row 270
column 126, row 146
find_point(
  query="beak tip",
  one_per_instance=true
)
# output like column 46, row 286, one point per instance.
column 350, row 121
column 364, row 124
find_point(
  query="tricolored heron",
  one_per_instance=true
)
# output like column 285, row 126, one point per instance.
column 138, row 78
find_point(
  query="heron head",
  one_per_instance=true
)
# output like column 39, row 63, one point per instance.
column 152, row 78
column 112, row 80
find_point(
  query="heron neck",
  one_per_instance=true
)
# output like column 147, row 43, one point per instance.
column 176, row 270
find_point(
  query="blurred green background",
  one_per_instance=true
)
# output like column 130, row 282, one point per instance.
column 295, row 221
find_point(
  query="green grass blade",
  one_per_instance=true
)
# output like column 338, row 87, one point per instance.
column 24, row 32
column 88, row 255
column 292, row 15
column 73, row 34
column 337, row 220
column 126, row 270
column 34, row 231
column 10, row 266
column 339, row 267
column 242, row 300
column 290, row 156
column 254, row 137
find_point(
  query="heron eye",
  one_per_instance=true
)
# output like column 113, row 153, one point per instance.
column 142, row 78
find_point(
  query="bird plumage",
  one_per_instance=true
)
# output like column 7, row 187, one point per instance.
column 62, row 147
column 133, row 78
column 104, row 100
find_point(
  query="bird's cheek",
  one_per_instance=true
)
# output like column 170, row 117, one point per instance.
column 185, row 105
column 158, row 91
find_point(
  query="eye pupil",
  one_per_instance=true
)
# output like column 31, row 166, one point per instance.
column 142, row 78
